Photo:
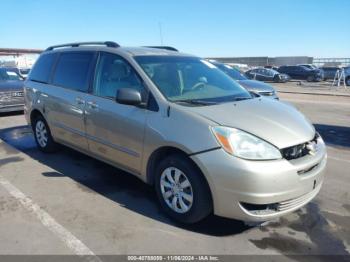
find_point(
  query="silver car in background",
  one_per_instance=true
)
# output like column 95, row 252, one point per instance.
column 259, row 87
column 11, row 91
column 178, row 123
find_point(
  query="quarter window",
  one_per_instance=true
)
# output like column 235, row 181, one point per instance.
column 113, row 73
column 72, row 71
column 42, row 69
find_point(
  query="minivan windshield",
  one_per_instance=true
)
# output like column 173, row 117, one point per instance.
column 191, row 79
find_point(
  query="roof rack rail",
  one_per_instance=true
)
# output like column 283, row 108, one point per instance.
column 107, row 43
column 170, row 48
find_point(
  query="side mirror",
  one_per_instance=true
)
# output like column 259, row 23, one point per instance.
column 128, row 96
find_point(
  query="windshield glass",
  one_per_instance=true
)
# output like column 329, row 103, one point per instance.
column 230, row 71
column 310, row 66
column 8, row 75
column 190, row 78
column 272, row 71
column 306, row 67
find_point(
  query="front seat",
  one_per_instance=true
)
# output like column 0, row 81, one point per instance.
column 114, row 79
column 167, row 80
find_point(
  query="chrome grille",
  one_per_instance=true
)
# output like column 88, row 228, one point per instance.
column 10, row 98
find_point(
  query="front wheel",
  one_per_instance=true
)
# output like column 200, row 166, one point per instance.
column 277, row 79
column 43, row 137
column 182, row 191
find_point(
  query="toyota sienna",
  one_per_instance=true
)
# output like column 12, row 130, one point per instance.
column 179, row 124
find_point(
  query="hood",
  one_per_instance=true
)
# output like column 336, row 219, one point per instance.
column 11, row 85
column 258, row 86
column 280, row 124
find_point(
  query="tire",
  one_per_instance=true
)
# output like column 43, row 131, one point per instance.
column 194, row 184
column 42, row 135
column 310, row 78
column 347, row 81
column 277, row 79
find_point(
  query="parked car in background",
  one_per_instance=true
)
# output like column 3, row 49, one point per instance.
column 329, row 72
column 22, row 72
column 180, row 124
column 313, row 67
column 266, row 74
column 259, row 87
column 11, row 91
column 310, row 66
column 347, row 75
column 302, row 73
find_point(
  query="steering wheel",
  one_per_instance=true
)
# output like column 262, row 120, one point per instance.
column 198, row 86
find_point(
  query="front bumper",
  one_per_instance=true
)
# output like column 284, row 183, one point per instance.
column 261, row 190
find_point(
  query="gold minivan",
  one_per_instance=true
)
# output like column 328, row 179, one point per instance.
column 177, row 122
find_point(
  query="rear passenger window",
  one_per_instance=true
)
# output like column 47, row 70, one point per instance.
column 42, row 68
column 72, row 71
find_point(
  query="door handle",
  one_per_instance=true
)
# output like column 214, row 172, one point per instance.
column 80, row 101
column 92, row 105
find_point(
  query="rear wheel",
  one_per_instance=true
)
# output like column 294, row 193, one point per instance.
column 43, row 136
column 347, row 81
column 182, row 191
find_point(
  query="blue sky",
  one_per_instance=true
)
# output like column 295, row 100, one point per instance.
column 319, row 28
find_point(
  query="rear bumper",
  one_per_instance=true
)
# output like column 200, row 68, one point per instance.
column 261, row 190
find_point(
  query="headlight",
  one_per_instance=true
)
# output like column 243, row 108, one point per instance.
column 244, row 145
column 4, row 97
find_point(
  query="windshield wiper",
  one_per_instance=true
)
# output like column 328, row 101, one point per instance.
column 240, row 98
column 196, row 102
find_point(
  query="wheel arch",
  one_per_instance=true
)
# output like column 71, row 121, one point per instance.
column 34, row 114
column 163, row 152
column 158, row 155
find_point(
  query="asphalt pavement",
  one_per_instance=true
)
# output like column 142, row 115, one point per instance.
column 69, row 203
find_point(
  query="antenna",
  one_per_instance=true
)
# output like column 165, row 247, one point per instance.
column 160, row 33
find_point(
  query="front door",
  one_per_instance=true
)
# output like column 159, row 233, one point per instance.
column 259, row 75
column 297, row 73
column 115, row 131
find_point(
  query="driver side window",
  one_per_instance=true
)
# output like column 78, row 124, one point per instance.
column 113, row 73
column 268, row 72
